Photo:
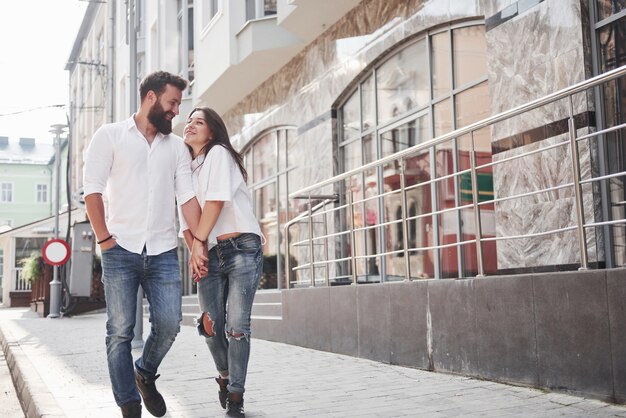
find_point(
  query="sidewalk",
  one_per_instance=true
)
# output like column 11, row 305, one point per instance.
column 60, row 367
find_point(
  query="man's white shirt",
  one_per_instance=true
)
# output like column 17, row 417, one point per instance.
column 141, row 182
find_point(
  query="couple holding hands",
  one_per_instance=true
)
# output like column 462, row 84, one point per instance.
column 145, row 171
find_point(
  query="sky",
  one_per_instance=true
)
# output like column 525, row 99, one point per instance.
column 36, row 38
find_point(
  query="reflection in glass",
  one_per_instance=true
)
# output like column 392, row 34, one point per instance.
column 351, row 117
column 612, row 47
column 368, row 100
column 372, row 218
column 398, row 139
column 403, row 85
column 440, row 57
column 469, row 54
column 264, row 154
column 448, row 229
column 607, row 8
column 403, row 82
column 443, row 117
column 282, row 150
column 472, row 105
column 369, row 149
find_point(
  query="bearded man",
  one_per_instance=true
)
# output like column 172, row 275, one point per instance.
column 143, row 170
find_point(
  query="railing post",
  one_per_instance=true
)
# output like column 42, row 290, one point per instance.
column 352, row 236
column 326, row 279
column 405, row 228
column 580, row 217
column 287, row 260
column 311, row 250
column 476, row 208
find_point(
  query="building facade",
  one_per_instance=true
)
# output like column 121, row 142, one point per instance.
column 28, row 185
column 25, row 181
column 316, row 93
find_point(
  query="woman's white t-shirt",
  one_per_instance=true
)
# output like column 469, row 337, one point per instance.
column 217, row 177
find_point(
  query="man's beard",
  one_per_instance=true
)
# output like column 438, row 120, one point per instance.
column 156, row 116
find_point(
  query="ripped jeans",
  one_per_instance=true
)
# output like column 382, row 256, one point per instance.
column 227, row 293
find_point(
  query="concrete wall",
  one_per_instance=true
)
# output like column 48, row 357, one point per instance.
column 561, row 331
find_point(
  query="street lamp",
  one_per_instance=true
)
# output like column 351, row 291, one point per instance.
column 55, row 284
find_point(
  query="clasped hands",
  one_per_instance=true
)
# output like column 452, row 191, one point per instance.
column 199, row 260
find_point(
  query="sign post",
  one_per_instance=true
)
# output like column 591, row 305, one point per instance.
column 55, row 252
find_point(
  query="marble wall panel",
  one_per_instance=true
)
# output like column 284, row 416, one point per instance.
column 541, row 212
column 548, row 56
column 489, row 8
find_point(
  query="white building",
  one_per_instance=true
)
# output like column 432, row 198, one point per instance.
column 427, row 137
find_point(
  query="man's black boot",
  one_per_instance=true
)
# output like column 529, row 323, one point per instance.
column 152, row 399
column 234, row 405
column 131, row 410
column 223, row 393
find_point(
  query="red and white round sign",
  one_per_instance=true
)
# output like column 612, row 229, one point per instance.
column 56, row 252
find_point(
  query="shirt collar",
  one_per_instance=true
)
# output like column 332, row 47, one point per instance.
column 130, row 124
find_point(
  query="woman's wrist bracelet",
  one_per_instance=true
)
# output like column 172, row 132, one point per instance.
column 198, row 239
column 105, row 240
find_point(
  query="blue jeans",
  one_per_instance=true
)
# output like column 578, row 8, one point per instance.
column 159, row 276
column 227, row 293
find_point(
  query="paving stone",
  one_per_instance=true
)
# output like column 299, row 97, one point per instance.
column 68, row 372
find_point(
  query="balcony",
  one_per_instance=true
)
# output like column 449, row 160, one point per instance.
column 249, row 41
column 237, row 54
column 307, row 19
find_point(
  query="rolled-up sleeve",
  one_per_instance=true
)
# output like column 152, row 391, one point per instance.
column 184, row 185
column 182, row 222
column 220, row 176
column 98, row 163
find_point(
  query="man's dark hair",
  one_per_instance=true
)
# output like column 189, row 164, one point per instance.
column 157, row 81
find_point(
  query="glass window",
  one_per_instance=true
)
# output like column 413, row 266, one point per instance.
column 402, row 82
column 185, row 39
column 443, row 117
column 351, row 117
column 607, row 8
column 472, row 105
column 271, row 173
column 469, row 54
column 209, row 11
column 282, row 150
column 42, row 193
column 269, row 7
column 368, row 103
column 433, row 91
column 441, row 75
column 25, row 246
column 256, row 9
column 264, row 154
column 610, row 41
column 6, row 193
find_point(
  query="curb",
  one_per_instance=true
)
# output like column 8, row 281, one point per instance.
column 35, row 398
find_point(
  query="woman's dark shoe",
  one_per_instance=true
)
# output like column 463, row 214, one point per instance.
column 223, row 393
column 234, row 405
column 131, row 410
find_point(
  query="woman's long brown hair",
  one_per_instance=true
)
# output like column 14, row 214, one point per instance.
column 220, row 137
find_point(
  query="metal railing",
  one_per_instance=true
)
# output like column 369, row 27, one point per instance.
column 343, row 214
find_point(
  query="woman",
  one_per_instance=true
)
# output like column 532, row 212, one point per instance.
column 230, row 231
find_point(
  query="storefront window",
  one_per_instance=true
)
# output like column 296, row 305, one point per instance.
column 270, row 176
column 423, row 90
column 610, row 47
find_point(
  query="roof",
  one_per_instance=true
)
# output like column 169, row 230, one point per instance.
column 26, row 151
